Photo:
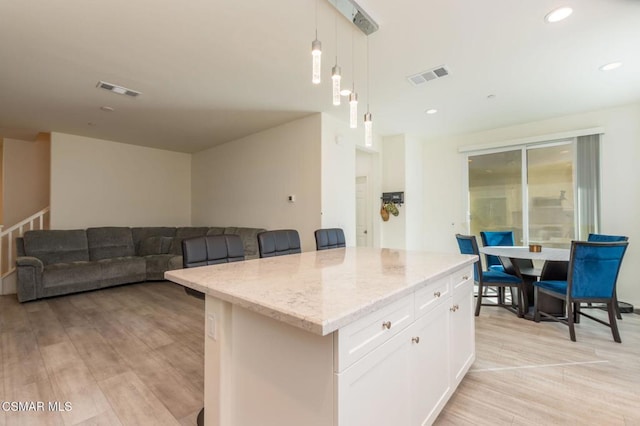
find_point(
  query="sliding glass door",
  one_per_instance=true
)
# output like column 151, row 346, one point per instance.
column 495, row 193
column 529, row 190
column 550, row 195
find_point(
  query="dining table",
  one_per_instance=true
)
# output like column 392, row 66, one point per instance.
column 519, row 261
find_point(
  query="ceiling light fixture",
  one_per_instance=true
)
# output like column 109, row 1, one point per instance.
column 355, row 14
column 335, row 73
column 611, row 66
column 316, row 53
column 353, row 110
column 558, row 14
column 431, row 111
column 335, row 78
column 345, row 92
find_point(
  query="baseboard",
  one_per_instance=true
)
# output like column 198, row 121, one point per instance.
column 8, row 284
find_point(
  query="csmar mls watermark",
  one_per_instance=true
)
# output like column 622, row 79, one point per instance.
column 60, row 406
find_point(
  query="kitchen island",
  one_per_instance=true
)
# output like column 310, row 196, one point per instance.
column 355, row 336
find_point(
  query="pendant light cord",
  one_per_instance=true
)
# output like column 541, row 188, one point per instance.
column 336, row 22
column 353, row 65
column 368, row 77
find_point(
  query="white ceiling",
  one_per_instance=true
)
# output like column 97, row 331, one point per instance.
column 212, row 71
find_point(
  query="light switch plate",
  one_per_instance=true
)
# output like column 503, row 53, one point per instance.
column 211, row 327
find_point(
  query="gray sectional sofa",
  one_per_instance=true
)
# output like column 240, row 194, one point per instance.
column 56, row 262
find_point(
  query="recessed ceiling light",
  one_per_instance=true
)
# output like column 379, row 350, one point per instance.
column 611, row 66
column 558, row 14
column 107, row 108
column 431, row 111
column 345, row 92
column 491, row 97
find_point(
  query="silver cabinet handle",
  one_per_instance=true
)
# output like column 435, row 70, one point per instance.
column 454, row 308
column 436, row 294
column 386, row 324
column 415, row 339
column 465, row 277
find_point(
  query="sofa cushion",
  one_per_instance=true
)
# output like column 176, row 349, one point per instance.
column 186, row 232
column 154, row 245
column 141, row 233
column 249, row 237
column 75, row 275
column 157, row 264
column 109, row 241
column 57, row 246
column 122, row 270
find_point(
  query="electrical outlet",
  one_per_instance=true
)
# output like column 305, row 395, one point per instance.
column 291, row 198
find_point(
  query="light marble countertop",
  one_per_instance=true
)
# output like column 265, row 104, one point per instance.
column 321, row 291
column 522, row 252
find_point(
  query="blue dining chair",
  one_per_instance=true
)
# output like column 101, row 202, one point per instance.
column 592, row 277
column 469, row 245
column 496, row 238
column 603, row 238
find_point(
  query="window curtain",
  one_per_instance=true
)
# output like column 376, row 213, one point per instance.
column 588, row 185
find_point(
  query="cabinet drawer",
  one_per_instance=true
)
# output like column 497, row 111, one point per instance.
column 461, row 276
column 360, row 337
column 429, row 297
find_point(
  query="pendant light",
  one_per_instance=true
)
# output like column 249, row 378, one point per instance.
column 368, row 122
column 316, row 53
column 353, row 110
column 335, row 78
column 353, row 96
column 336, row 73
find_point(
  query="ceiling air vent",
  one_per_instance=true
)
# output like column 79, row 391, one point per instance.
column 424, row 76
column 118, row 89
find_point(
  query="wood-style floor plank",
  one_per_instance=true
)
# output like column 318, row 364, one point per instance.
column 134, row 403
column 134, row 355
column 529, row 373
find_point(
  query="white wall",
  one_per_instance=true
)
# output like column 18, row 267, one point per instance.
column 246, row 182
column 393, row 180
column 413, row 208
column 338, row 171
column 620, row 176
column 97, row 183
column 403, row 170
column 25, row 178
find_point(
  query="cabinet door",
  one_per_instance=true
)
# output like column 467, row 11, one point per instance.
column 431, row 375
column 376, row 389
column 462, row 331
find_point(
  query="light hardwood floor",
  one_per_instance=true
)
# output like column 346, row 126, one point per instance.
column 133, row 355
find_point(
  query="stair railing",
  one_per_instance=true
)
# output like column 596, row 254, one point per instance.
column 8, row 239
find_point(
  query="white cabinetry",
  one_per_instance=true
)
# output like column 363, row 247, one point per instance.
column 344, row 337
column 407, row 378
column 462, row 326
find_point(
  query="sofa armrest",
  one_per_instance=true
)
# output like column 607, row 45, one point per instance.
column 30, row 261
column 29, row 277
